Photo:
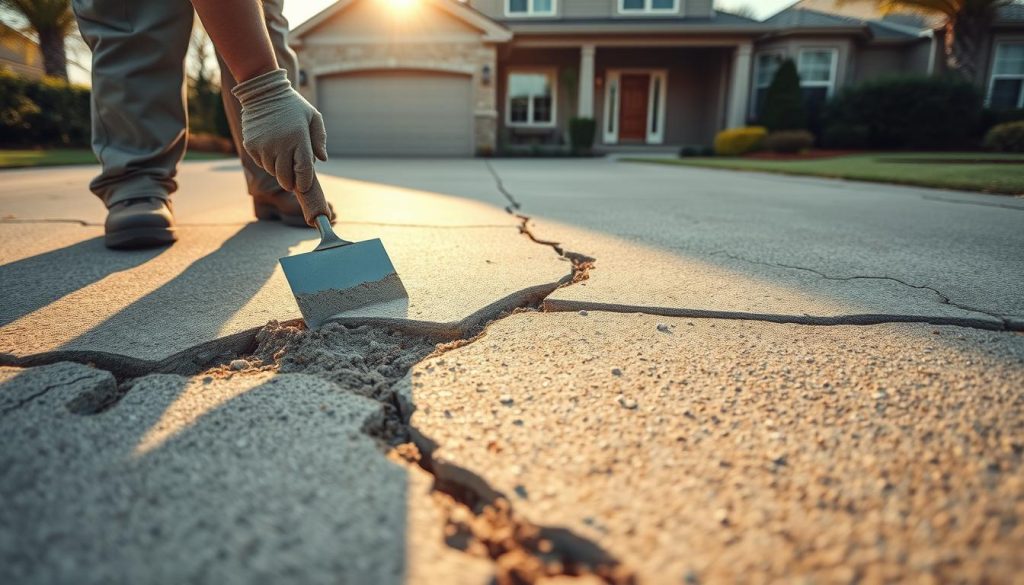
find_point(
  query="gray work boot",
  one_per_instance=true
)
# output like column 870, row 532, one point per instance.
column 282, row 206
column 140, row 223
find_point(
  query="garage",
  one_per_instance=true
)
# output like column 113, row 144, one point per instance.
column 397, row 113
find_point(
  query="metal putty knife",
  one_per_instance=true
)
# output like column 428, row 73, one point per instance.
column 340, row 276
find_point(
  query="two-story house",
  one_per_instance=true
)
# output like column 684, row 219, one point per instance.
column 454, row 78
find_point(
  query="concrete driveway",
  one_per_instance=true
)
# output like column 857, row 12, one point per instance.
column 719, row 243
column 612, row 372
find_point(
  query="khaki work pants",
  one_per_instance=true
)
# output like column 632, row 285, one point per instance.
column 139, row 116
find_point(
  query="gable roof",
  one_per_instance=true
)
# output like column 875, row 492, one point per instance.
column 868, row 10
column 797, row 19
column 491, row 30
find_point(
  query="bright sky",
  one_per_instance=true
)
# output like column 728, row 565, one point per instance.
column 298, row 11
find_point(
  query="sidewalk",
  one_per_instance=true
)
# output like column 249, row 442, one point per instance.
column 593, row 378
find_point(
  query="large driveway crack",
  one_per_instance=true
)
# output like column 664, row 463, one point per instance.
column 943, row 298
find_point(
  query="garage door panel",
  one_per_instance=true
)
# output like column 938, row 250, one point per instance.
column 400, row 113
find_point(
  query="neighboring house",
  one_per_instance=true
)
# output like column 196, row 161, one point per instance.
column 1001, row 74
column 20, row 54
column 450, row 78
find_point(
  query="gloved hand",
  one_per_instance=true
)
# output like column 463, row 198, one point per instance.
column 283, row 133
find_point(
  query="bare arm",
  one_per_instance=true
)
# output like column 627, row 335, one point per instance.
column 282, row 132
column 240, row 34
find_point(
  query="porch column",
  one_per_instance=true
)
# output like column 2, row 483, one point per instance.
column 585, row 107
column 739, row 89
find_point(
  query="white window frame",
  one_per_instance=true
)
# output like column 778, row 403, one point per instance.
column 552, row 76
column 610, row 123
column 530, row 10
column 757, row 70
column 833, row 69
column 995, row 76
column 648, row 8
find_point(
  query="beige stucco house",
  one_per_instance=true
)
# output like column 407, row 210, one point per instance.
column 20, row 54
column 454, row 78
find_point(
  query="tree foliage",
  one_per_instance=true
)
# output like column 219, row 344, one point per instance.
column 967, row 25
column 51, row 21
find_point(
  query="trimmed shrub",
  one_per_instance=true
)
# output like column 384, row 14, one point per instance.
column 843, row 135
column 783, row 107
column 581, row 134
column 50, row 112
column 991, row 118
column 738, row 141
column 789, row 141
column 911, row 112
column 1007, row 137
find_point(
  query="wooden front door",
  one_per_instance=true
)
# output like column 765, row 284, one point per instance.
column 635, row 93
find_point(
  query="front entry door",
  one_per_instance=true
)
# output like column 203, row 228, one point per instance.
column 635, row 94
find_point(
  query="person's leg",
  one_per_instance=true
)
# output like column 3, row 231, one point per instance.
column 138, row 112
column 138, row 102
column 271, row 201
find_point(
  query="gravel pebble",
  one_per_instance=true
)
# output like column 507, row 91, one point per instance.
column 616, row 372
column 663, row 327
column 583, row 313
column 239, row 365
column 625, row 402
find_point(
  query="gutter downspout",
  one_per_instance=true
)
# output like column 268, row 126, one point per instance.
column 931, row 51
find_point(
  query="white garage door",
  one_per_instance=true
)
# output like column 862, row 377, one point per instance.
column 397, row 113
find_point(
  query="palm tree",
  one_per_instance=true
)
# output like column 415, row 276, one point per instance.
column 967, row 23
column 52, row 21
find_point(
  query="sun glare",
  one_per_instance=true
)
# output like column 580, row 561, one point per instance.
column 402, row 6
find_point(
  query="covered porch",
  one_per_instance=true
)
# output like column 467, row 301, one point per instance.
column 641, row 93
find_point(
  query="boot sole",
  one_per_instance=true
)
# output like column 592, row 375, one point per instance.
column 139, row 238
column 266, row 212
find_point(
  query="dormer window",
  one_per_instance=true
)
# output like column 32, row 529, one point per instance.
column 530, row 7
column 648, row 6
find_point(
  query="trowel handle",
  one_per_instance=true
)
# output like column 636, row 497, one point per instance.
column 313, row 202
column 328, row 239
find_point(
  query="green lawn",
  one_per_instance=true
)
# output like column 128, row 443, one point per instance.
column 967, row 171
column 16, row 159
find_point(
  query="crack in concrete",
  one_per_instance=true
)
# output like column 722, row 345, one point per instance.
column 28, row 399
column 943, row 298
column 513, row 205
column 480, row 520
column 14, row 220
column 582, row 265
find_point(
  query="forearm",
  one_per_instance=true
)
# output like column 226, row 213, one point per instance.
column 240, row 34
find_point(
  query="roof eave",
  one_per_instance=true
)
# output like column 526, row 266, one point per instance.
column 642, row 28
column 492, row 31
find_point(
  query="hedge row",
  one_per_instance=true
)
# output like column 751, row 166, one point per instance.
column 50, row 112
column 54, row 113
column 914, row 112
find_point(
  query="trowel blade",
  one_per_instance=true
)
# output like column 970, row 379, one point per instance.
column 332, row 281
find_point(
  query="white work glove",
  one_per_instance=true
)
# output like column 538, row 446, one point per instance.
column 283, row 133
